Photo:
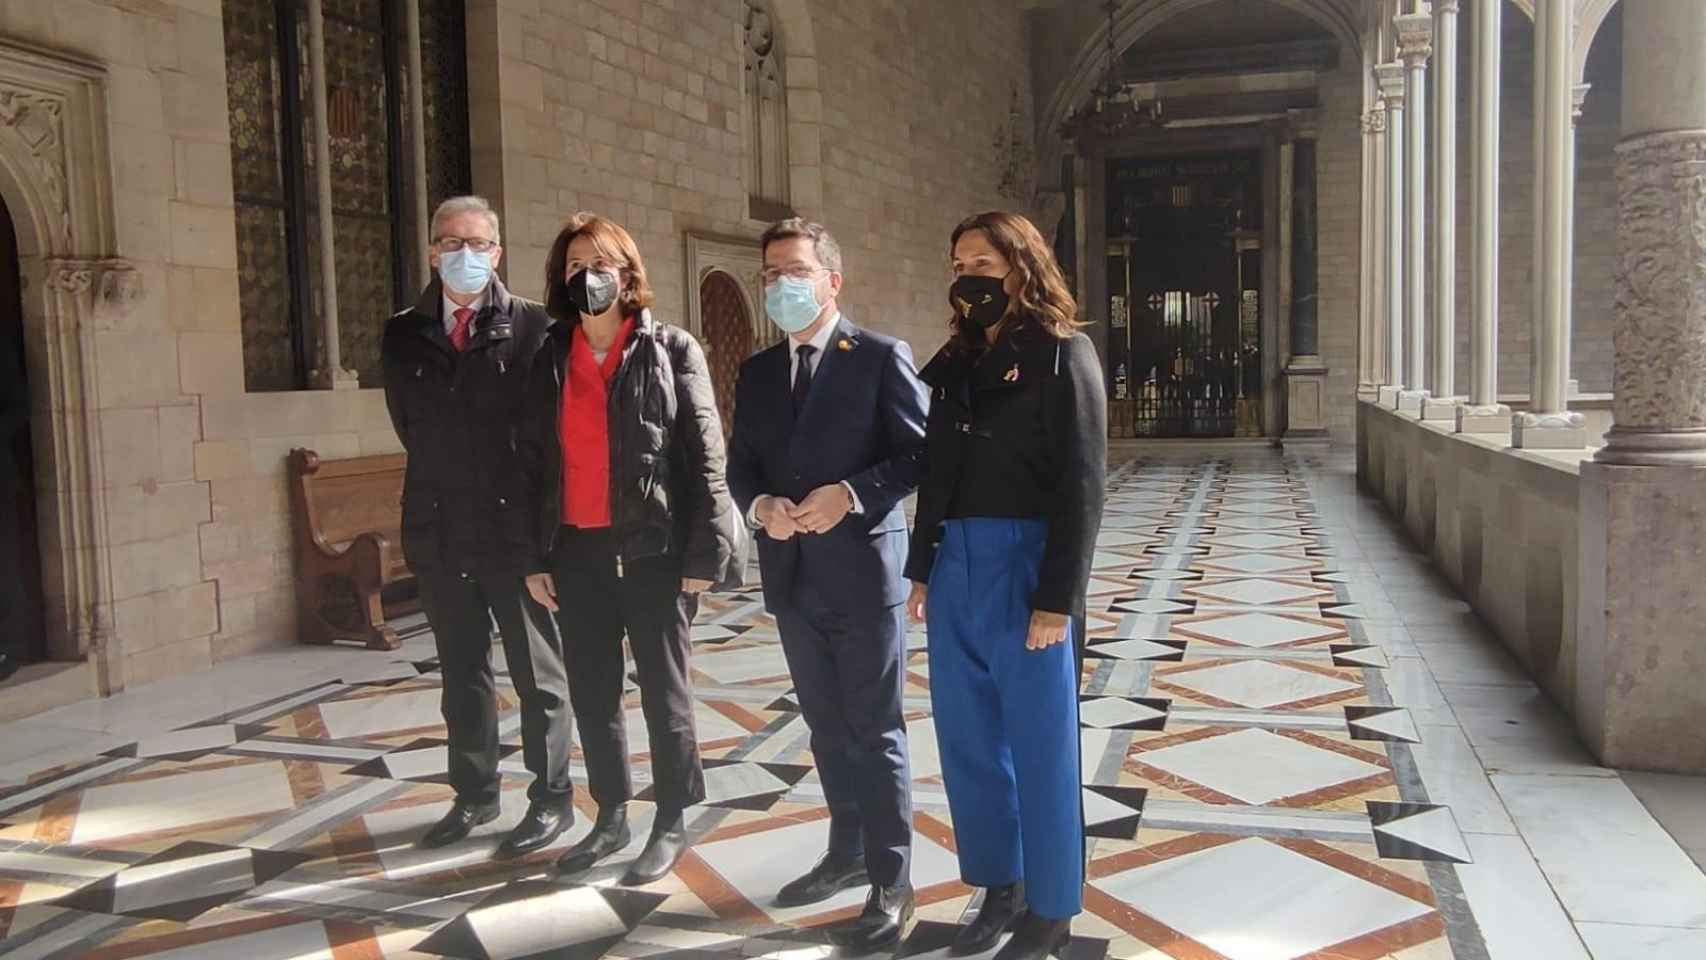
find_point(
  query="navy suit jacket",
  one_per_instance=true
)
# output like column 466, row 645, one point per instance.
column 863, row 423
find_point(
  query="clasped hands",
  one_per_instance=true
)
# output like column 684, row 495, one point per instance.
column 820, row 512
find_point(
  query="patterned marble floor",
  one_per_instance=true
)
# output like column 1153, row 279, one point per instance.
column 1252, row 785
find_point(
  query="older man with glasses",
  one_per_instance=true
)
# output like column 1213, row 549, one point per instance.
column 455, row 367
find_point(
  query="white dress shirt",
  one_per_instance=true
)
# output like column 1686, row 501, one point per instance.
column 820, row 340
column 450, row 308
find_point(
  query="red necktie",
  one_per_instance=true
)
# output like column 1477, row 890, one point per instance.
column 459, row 335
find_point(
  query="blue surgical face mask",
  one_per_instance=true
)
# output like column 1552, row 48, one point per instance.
column 792, row 303
column 465, row 271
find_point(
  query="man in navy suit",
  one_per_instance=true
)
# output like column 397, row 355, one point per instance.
column 828, row 440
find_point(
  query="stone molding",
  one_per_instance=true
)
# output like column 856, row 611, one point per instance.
column 741, row 259
column 56, row 180
column 1660, row 333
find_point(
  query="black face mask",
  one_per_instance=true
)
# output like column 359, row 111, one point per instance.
column 593, row 293
column 980, row 302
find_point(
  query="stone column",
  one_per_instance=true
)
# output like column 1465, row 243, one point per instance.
column 1639, row 651
column 1578, row 96
column 1373, row 339
column 1548, row 424
column 1305, row 374
column 1484, row 413
column 417, row 142
column 330, row 373
column 1443, row 400
column 1391, row 79
column 1415, row 45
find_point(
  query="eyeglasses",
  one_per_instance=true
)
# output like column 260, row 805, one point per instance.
column 476, row 244
column 772, row 274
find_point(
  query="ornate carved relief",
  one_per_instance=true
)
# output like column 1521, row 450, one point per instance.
column 1660, row 333
column 37, row 121
column 1374, row 122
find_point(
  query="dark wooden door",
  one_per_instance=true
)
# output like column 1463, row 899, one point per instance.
column 1185, row 356
column 727, row 336
column 24, row 548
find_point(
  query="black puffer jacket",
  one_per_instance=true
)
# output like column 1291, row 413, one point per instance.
column 467, row 504
column 669, row 495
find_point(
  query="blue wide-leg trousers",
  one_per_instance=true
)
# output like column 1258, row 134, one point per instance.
column 1006, row 717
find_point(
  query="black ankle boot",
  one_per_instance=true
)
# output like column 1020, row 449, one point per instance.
column 1001, row 906
column 1036, row 939
column 609, row 834
column 663, row 851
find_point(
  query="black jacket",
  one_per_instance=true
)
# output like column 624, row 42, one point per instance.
column 668, row 493
column 466, row 505
column 1020, row 431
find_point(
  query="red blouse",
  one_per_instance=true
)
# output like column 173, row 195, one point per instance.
column 586, row 431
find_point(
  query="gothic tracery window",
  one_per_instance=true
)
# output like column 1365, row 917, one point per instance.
column 766, row 116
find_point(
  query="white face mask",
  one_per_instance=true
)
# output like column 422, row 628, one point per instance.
column 465, row 271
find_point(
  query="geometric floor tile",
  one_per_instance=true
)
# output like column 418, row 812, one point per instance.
column 176, row 800
column 1258, row 541
column 183, row 882
column 1136, row 649
column 1417, row 831
column 1256, row 766
column 1152, row 606
column 536, row 918
column 1390, row 724
column 1122, row 713
column 191, row 743
column 1112, row 812
column 740, row 785
column 1260, row 684
column 425, row 760
column 1256, row 592
column 1357, row 655
column 1253, row 899
column 1260, row 630
column 1259, row 563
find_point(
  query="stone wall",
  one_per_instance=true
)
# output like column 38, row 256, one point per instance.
column 1339, row 208
column 634, row 109
column 631, row 108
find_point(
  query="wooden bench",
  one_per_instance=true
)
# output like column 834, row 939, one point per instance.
column 348, row 520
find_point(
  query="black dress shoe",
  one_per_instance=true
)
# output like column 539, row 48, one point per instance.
column 545, row 821
column 609, row 834
column 1036, row 939
column 886, row 921
column 9, row 664
column 663, row 851
column 831, row 876
column 1001, row 906
column 458, row 823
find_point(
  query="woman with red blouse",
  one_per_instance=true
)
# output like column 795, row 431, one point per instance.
column 635, row 523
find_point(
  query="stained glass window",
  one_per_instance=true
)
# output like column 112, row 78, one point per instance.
column 272, row 160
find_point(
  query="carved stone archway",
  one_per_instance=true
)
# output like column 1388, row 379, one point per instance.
column 57, row 184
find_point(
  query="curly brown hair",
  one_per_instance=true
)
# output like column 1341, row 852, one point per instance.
column 1043, row 302
column 611, row 241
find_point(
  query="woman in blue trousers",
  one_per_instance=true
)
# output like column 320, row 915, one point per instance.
column 1007, row 519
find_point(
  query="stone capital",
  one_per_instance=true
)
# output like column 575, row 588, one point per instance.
column 1415, row 37
column 1446, row 8
column 1578, row 97
column 1390, row 79
column 1374, row 121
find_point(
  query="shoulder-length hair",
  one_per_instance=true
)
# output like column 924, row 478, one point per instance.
column 613, row 243
column 1043, row 301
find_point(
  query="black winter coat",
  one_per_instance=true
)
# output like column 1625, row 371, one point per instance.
column 1020, row 432
column 466, row 497
column 669, row 496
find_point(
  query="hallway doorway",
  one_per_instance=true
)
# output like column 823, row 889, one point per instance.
column 1184, row 267
column 18, row 535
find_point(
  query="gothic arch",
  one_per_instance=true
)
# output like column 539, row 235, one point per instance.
column 805, row 106
column 57, row 184
column 1590, row 17
column 1341, row 18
